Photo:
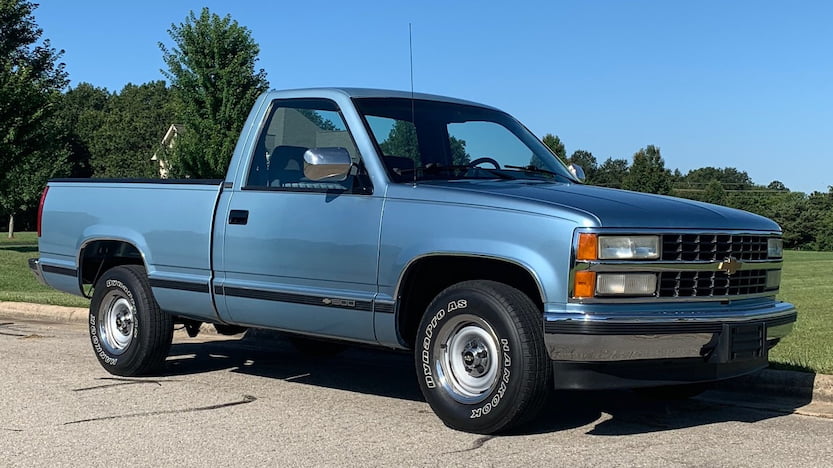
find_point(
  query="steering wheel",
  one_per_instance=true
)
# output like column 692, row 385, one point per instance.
column 485, row 159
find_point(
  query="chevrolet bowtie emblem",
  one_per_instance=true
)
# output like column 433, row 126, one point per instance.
column 731, row 265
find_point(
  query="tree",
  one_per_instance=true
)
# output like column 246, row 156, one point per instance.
column 714, row 193
column 587, row 161
column 554, row 143
column 402, row 141
column 729, row 177
column 777, row 185
column 211, row 68
column 31, row 79
column 23, row 183
column 611, row 173
column 81, row 112
column 133, row 125
column 459, row 156
column 648, row 172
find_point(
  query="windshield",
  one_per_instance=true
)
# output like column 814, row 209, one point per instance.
column 430, row 140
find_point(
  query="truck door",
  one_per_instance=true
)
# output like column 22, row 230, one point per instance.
column 297, row 254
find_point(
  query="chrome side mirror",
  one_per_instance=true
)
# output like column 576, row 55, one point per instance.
column 332, row 164
column 577, row 172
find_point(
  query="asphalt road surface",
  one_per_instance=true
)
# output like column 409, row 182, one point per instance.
column 226, row 401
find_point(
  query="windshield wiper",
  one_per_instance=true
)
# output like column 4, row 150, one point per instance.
column 435, row 168
column 537, row 170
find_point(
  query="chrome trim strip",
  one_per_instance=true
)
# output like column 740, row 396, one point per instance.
column 657, row 299
column 687, row 231
column 611, row 327
column 636, row 266
column 766, row 312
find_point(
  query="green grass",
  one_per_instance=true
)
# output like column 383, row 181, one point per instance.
column 807, row 282
column 18, row 284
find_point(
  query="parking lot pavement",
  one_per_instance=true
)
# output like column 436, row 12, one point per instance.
column 226, row 401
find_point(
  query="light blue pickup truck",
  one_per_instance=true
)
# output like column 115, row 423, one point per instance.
column 429, row 224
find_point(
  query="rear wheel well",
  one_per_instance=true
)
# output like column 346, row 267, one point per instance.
column 428, row 276
column 102, row 255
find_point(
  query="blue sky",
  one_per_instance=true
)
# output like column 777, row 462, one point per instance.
column 745, row 84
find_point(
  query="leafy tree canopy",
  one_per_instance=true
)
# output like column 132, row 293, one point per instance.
column 611, row 173
column 402, row 141
column 211, row 67
column 130, row 131
column 588, row 163
column 31, row 78
column 82, row 111
column 554, row 143
column 648, row 172
column 729, row 177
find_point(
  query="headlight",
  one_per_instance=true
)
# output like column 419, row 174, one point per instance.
column 774, row 248
column 628, row 247
column 626, row 284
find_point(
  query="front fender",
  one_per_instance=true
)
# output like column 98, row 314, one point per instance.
column 538, row 243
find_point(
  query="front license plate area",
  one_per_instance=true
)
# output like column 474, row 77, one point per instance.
column 743, row 342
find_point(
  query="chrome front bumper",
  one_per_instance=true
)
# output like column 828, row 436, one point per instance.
column 617, row 337
column 656, row 347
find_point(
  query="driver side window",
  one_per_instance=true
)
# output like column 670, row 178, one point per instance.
column 293, row 127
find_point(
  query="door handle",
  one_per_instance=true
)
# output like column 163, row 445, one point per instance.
column 238, row 217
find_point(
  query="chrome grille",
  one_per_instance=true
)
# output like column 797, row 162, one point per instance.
column 713, row 247
column 711, row 283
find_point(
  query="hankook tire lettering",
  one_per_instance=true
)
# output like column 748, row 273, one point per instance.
column 504, row 381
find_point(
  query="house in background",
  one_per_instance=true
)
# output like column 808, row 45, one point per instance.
column 167, row 143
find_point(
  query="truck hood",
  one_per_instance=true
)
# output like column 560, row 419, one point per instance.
column 616, row 208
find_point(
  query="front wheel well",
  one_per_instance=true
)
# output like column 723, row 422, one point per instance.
column 427, row 277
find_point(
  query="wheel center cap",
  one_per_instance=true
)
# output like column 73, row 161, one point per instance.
column 123, row 323
column 475, row 359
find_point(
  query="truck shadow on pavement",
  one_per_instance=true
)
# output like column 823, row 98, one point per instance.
column 622, row 412
column 392, row 374
column 374, row 372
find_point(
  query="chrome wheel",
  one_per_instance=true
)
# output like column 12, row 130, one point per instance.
column 467, row 358
column 116, row 321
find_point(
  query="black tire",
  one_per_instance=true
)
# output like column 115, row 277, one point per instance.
column 129, row 333
column 316, row 348
column 672, row 392
column 229, row 330
column 480, row 357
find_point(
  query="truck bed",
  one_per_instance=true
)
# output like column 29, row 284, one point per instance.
column 170, row 221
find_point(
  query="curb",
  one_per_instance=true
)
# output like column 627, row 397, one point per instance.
column 812, row 387
column 52, row 313
column 59, row 314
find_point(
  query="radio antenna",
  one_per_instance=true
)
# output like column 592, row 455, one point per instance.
column 411, row 52
column 413, row 112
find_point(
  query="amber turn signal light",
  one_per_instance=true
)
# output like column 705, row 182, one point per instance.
column 587, row 246
column 584, row 284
